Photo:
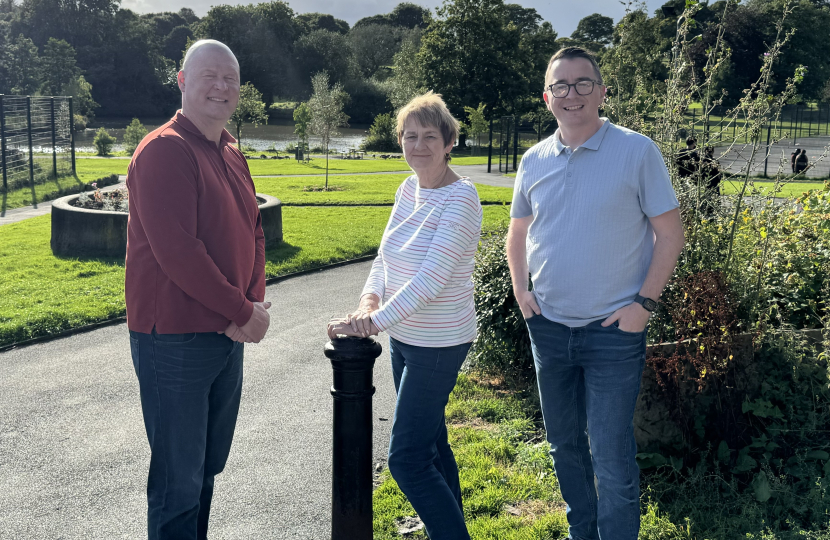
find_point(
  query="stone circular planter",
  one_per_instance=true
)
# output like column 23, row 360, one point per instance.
column 81, row 232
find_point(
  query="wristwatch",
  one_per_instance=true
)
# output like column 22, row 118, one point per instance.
column 647, row 303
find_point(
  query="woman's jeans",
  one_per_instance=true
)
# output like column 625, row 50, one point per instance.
column 420, row 458
column 589, row 378
column 190, row 388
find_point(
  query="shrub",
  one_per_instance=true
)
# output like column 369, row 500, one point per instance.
column 382, row 135
column 134, row 135
column 502, row 346
column 103, row 142
column 80, row 122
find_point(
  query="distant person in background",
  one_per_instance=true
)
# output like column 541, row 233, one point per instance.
column 688, row 159
column 195, row 290
column 793, row 158
column 801, row 162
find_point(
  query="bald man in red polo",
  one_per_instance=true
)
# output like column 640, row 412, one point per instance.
column 195, row 290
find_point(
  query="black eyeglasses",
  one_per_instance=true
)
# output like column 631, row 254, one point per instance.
column 583, row 88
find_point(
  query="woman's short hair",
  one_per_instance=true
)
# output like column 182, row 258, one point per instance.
column 429, row 110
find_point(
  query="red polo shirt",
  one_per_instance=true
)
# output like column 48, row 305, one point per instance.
column 195, row 247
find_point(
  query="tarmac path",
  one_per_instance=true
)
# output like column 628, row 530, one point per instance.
column 74, row 454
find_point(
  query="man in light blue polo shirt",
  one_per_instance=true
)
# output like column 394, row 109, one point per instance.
column 595, row 222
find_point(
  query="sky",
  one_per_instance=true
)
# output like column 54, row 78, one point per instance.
column 562, row 14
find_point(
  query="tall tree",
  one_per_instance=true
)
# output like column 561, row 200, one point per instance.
column 407, row 78
column 473, row 53
column 261, row 36
column 250, row 109
column 322, row 50
column 59, row 67
column 302, row 125
column 22, row 67
column 374, row 45
column 327, row 114
column 594, row 28
column 309, row 22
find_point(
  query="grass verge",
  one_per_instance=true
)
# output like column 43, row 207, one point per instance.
column 790, row 189
column 41, row 294
column 508, row 484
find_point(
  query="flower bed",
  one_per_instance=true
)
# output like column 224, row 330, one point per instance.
column 95, row 226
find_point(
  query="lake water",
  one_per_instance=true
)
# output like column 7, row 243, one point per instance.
column 263, row 137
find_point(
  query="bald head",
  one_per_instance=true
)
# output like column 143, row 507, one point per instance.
column 209, row 47
column 209, row 81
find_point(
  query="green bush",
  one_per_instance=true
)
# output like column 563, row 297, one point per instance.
column 503, row 343
column 103, row 142
column 80, row 122
column 382, row 135
column 133, row 136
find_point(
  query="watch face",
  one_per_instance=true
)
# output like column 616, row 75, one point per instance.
column 649, row 304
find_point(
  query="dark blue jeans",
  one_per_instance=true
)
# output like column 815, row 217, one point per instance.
column 589, row 378
column 190, row 388
column 420, row 458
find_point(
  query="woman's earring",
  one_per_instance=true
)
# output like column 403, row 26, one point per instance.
column 447, row 156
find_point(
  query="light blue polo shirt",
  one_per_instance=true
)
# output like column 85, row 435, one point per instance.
column 590, row 243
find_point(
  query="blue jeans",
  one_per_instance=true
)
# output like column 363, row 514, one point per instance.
column 190, row 387
column 420, row 458
column 589, row 378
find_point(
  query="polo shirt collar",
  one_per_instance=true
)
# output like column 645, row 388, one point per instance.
column 185, row 123
column 591, row 144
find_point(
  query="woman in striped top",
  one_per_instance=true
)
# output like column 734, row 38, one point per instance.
column 419, row 292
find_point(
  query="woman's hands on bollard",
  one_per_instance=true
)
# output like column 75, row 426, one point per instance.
column 341, row 326
column 360, row 319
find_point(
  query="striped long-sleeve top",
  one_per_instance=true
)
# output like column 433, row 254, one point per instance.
column 424, row 265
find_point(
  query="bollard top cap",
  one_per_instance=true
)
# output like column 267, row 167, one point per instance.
column 352, row 349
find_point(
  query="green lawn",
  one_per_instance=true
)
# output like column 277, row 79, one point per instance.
column 790, row 189
column 508, row 484
column 41, row 294
column 357, row 189
column 23, row 196
column 90, row 169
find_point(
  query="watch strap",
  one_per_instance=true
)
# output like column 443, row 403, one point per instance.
column 647, row 303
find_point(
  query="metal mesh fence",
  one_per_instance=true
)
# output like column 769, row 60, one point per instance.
column 36, row 140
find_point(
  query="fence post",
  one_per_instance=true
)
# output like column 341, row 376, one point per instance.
column 72, row 134
column 795, row 128
column 54, row 141
column 31, row 150
column 490, row 147
column 352, row 360
column 766, row 156
column 515, row 143
column 809, row 121
column 3, row 147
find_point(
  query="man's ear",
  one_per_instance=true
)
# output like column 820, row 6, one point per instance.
column 545, row 97
column 180, row 80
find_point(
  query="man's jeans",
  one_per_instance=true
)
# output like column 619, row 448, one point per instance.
column 589, row 378
column 420, row 458
column 190, row 387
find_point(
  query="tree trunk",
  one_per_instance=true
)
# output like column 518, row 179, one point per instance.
column 239, row 137
column 327, row 166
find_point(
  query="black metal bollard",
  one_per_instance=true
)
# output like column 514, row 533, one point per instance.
column 352, row 360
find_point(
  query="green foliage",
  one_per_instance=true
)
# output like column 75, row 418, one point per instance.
column 58, row 65
column 309, row 22
column 476, row 122
column 407, row 77
column 323, row 51
column 302, row 123
column 133, row 135
column 382, row 135
column 103, row 142
column 250, row 109
column 502, row 346
column 82, row 102
column 501, row 63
